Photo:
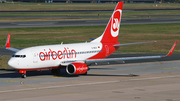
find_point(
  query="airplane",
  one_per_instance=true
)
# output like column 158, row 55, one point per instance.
column 77, row 57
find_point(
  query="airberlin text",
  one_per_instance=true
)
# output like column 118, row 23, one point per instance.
column 60, row 54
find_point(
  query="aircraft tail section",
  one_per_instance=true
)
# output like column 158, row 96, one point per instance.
column 111, row 31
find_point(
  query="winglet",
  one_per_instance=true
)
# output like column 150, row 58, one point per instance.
column 172, row 49
column 8, row 41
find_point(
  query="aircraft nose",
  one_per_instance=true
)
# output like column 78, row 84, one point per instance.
column 12, row 63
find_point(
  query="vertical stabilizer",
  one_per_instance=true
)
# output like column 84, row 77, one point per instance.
column 111, row 32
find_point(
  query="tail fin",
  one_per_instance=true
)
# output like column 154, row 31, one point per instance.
column 8, row 41
column 111, row 32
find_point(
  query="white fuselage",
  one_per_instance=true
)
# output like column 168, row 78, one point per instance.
column 53, row 55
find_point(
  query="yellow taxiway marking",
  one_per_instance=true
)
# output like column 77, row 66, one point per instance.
column 56, row 77
column 96, row 74
column 22, row 82
column 10, row 81
column 171, row 68
column 33, row 88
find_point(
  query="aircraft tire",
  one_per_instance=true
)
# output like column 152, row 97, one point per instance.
column 23, row 76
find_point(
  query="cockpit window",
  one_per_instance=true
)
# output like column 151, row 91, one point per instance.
column 19, row 56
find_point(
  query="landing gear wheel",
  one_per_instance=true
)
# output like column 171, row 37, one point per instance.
column 23, row 76
column 55, row 71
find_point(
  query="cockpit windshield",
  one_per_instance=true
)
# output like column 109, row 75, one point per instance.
column 19, row 56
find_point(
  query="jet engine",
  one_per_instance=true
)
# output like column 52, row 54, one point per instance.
column 77, row 68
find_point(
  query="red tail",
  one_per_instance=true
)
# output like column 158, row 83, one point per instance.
column 111, row 32
column 8, row 41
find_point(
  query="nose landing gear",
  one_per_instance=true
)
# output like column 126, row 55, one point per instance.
column 23, row 76
column 23, row 73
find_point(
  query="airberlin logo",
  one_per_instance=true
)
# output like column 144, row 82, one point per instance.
column 115, row 25
column 115, row 22
column 60, row 54
column 82, row 69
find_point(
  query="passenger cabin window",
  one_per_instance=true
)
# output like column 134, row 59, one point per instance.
column 19, row 56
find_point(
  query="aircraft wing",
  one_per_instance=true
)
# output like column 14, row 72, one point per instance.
column 132, row 43
column 130, row 58
column 7, row 46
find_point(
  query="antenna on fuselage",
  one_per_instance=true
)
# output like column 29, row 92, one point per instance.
column 61, row 43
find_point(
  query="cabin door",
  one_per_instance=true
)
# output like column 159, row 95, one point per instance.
column 35, row 56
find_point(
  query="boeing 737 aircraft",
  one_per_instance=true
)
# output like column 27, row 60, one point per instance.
column 74, row 57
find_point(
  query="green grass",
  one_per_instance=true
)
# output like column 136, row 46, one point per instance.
column 82, row 6
column 132, row 15
column 57, row 14
column 151, row 6
column 54, row 6
column 3, row 63
column 164, row 34
column 79, row 6
column 151, row 13
column 93, row 13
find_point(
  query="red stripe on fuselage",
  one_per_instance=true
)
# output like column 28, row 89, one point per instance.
column 33, row 69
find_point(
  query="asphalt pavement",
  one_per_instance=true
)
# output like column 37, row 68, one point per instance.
column 84, row 23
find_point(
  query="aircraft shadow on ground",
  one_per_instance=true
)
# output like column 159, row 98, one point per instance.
column 128, row 75
column 9, row 73
column 15, row 74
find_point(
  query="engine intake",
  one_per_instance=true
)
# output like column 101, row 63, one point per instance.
column 77, row 68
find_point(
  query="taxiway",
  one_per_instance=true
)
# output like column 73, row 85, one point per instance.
column 84, row 23
column 149, row 81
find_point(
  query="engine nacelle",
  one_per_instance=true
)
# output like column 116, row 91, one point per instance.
column 77, row 68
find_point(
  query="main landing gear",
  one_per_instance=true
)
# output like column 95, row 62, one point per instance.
column 55, row 71
column 84, row 74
